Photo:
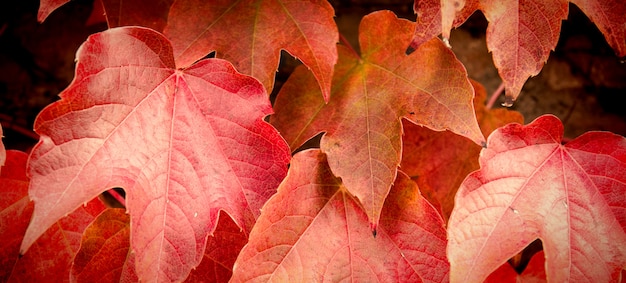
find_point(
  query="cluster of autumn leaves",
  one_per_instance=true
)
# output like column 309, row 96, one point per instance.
column 404, row 187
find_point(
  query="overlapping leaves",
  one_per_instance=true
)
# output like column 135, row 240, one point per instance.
column 371, row 94
column 184, row 144
column 314, row 230
column 439, row 161
column 249, row 34
column 520, row 33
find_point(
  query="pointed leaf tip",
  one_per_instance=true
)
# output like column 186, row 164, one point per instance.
column 373, row 227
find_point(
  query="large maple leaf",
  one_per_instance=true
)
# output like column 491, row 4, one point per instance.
column 572, row 197
column 370, row 96
column 521, row 33
column 314, row 230
column 184, row 144
column 250, row 34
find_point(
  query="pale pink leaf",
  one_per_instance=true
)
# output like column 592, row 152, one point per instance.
column 572, row 197
column 183, row 143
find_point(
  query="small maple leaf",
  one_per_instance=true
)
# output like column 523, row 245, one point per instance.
column 250, row 34
column 183, row 143
column 314, row 230
column 529, row 186
column 370, row 96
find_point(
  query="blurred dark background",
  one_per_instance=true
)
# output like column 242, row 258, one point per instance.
column 583, row 82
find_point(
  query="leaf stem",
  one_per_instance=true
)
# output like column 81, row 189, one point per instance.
column 117, row 196
column 345, row 42
column 7, row 123
column 494, row 96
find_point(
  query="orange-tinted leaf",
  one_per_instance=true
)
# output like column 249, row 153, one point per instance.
column 572, row 197
column 146, row 13
column 49, row 259
column 535, row 272
column 370, row 95
column 608, row 15
column 184, row 144
column 439, row 161
column 221, row 252
column 15, row 209
column 313, row 230
column 104, row 249
column 250, row 34
column 46, row 7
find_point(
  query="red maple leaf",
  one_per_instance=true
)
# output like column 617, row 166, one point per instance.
column 314, row 230
column 530, row 186
column 183, row 143
column 371, row 94
column 250, row 34
column 521, row 33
